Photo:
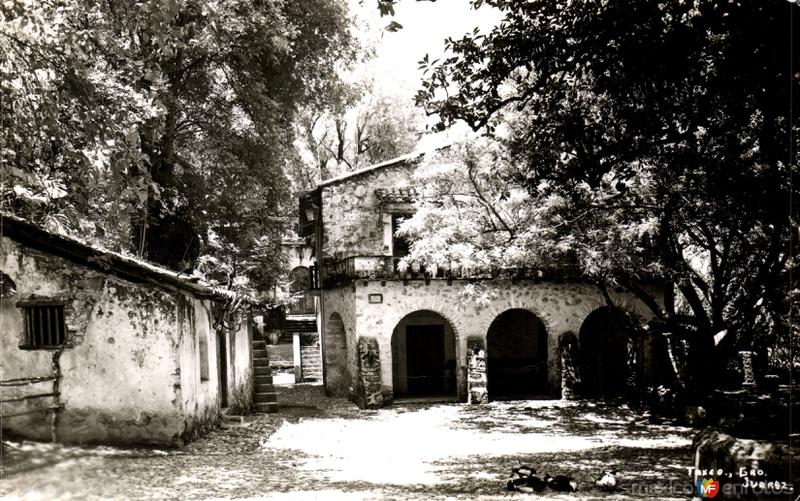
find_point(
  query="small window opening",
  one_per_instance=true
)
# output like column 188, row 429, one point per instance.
column 400, row 246
column 44, row 326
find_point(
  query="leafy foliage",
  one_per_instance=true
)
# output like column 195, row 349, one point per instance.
column 147, row 125
column 374, row 127
column 646, row 140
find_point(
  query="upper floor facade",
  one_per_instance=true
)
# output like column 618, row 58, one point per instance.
column 351, row 222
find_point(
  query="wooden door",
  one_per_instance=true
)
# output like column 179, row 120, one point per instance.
column 425, row 359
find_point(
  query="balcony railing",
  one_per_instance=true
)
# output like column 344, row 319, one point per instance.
column 387, row 268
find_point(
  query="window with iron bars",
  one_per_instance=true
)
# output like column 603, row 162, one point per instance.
column 44, row 326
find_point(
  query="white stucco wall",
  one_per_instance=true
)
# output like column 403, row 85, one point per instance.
column 131, row 362
column 342, row 301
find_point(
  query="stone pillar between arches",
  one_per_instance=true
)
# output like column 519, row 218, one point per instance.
column 370, row 392
column 477, row 390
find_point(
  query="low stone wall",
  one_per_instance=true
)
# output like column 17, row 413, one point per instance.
column 311, row 362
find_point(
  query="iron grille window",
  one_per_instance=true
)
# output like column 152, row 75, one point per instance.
column 44, row 326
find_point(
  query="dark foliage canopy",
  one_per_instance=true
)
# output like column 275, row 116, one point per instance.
column 655, row 139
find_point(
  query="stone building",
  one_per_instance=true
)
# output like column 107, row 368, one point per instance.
column 99, row 348
column 388, row 334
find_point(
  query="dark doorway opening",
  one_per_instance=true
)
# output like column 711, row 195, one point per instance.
column 423, row 356
column 603, row 353
column 222, row 368
column 516, row 349
column 337, row 374
column 425, row 370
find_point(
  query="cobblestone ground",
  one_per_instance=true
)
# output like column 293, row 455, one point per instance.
column 320, row 448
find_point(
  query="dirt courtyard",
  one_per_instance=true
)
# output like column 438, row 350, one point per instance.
column 321, row 448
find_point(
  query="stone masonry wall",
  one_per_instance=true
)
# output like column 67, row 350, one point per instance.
column 562, row 307
column 351, row 213
column 370, row 389
column 476, row 371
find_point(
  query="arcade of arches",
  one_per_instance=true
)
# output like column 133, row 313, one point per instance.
column 389, row 340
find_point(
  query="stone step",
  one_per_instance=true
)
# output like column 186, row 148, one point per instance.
column 270, row 396
column 260, row 361
column 264, row 388
column 262, row 371
column 260, row 354
column 232, row 419
column 266, row 407
column 263, row 380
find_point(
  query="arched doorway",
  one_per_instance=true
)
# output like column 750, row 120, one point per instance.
column 423, row 356
column 337, row 376
column 603, row 356
column 302, row 300
column 516, row 351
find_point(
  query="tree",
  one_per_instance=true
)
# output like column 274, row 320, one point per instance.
column 375, row 127
column 645, row 140
column 147, row 125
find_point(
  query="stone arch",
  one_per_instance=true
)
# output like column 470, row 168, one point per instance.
column 517, row 355
column 604, row 340
column 448, row 310
column 302, row 300
column 337, row 375
column 299, row 279
column 424, row 355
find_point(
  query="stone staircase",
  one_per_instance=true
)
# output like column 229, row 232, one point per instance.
column 265, row 398
column 311, row 360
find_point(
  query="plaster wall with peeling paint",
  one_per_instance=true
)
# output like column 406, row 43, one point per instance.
column 131, row 370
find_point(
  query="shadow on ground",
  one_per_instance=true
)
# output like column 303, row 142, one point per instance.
column 322, row 448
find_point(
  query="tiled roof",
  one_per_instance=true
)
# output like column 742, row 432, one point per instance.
column 397, row 195
column 106, row 261
column 389, row 163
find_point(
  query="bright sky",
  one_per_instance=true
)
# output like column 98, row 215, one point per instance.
column 426, row 24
